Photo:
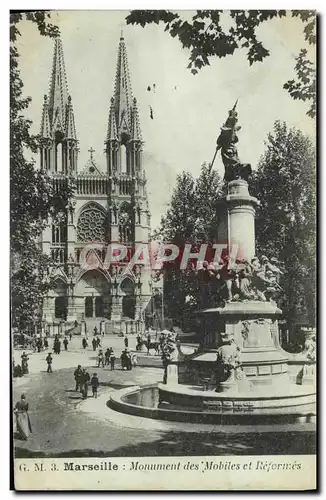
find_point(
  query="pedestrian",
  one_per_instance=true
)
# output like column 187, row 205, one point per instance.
column 95, row 383
column 70, row 335
column 46, row 343
column 94, row 343
column 95, row 331
column 24, row 359
column 98, row 342
column 107, row 355
column 78, row 375
column 23, row 423
column 85, row 378
column 100, row 359
column 49, row 360
column 84, row 343
column 39, row 344
column 126, row 341
column 65, row 343
column 57, row 345
column 112, row 359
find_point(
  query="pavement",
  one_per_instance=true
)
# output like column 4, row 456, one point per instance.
column 65, row 425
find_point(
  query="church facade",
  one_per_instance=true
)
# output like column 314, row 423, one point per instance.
column 104, row 206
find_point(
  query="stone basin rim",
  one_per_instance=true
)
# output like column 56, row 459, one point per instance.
column 117, row 403
column 235, row 395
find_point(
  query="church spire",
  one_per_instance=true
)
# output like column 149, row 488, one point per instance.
column 59, row 153
column 58, row 98
column 123, row 141
column 122, row 92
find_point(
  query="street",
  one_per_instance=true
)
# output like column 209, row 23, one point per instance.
column 65, row 425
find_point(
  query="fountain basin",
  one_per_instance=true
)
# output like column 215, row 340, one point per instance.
column 192, row 404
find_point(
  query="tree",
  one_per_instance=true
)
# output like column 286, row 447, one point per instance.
column 32, row 197
column 208, row 35
column 191, row 218
column 285, row 184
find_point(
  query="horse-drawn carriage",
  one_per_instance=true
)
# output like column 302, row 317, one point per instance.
column 152, row 341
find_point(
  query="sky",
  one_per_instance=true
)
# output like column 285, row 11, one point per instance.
column 188, row 110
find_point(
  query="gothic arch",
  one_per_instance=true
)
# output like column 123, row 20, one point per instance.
column 91, row 225
column 60, row 286
column 88, row 277
column 127, row 285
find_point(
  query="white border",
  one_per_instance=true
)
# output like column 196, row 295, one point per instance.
column 4, row 184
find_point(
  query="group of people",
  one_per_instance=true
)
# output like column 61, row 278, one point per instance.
column 107, row 358
column 57, row 344
column 83, row 380
column 128, row 360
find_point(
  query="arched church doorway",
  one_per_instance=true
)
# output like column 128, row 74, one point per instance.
column 94, row 287
column 129, row 307
column 128, row 299
column 99, row 307
column 60, row 308
column 89, row 307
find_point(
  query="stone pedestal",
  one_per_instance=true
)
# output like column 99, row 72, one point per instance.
column 241, row 219
column 252, row 324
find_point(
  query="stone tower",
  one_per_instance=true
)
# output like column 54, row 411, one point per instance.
column 108, row 206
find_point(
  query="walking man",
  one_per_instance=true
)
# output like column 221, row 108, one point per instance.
column 100, row 359
column 39, row 344
column 78, row 375
column 94, row 343
column 84, row 343
column 95, row 383
column 112, row 359
column 85, row 381
column 24, row 359
column 65, row 343
column 126, row 341
column 49, row 362
column 107, row 355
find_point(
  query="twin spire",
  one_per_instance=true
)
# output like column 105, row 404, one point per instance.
column 58, row 115
column 123, row 114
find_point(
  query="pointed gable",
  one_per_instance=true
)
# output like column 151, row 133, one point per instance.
column 91, row 169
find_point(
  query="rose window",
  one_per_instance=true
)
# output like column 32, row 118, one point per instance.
column 91, row 225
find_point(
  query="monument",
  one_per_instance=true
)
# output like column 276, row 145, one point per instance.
column 240, row 361
column 239, row 373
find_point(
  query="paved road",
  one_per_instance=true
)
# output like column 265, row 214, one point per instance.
column 61, row 429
